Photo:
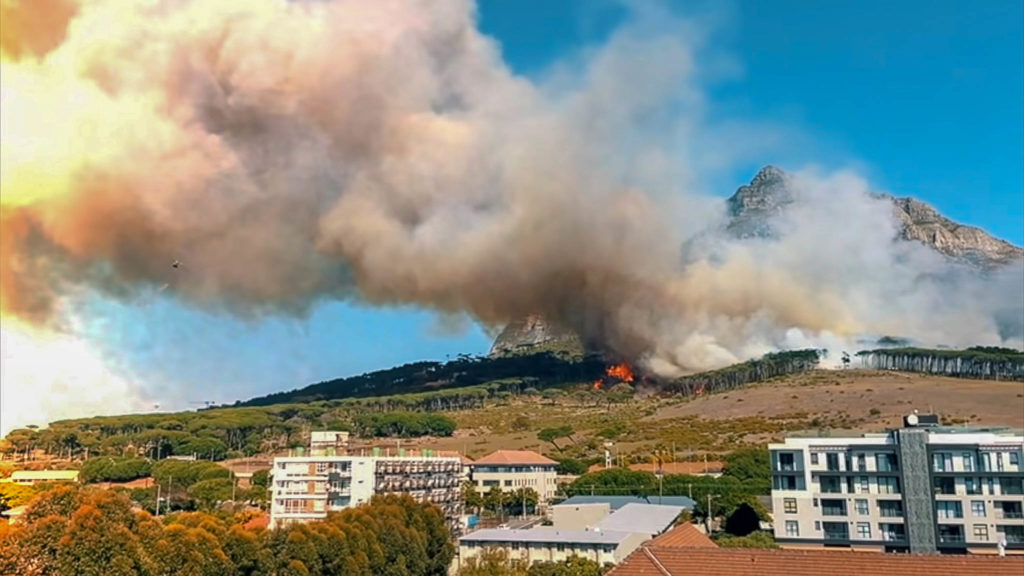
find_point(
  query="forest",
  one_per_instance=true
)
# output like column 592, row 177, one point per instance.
column 978, row 362
column 544, row 369
column 768, row 366
column 89, row 532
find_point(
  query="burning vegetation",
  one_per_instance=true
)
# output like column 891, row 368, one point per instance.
column 613, row 375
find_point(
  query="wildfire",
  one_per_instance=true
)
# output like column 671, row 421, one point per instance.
column 621, row 372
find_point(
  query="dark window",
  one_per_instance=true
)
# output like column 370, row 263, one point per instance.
column 831, row 485
column 833, row 507
column 814, row 458
column 836, row 530
column 786, row 462
column 886, row 462
column 950, row 533
column 832, row 462
column 890, row 508
column 945, row 486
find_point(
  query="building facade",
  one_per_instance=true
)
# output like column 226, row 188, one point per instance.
column 921, row 489
column 511, row 470
column 308, row 487
column 551, row 545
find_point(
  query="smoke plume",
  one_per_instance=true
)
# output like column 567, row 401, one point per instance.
column 284, row 153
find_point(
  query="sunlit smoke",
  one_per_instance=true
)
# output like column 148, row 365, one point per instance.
column 290, row 152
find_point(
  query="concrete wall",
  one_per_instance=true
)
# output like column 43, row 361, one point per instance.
column 578, row 516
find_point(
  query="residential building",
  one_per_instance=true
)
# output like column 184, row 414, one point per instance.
column 608, row 541
column 920, row 488
column 511, row 470
column 306, row 488
column 30, row 477
column 328, row 443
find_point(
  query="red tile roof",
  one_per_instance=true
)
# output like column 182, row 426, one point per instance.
column 511, row 457
column 666, row 561
column 684, row 535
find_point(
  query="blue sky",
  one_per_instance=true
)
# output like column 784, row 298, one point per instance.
column 925, row 98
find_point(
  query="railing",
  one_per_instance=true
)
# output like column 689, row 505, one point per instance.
column 951, row 538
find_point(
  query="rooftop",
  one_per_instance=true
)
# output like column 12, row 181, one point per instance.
column 42, row 475
column 616, row 502
column 647, row 519
column 545, row 536
column 685, row 535
column 657, row 560
column 515, row 457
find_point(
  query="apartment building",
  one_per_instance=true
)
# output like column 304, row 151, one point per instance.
column 306, row 488
column 511, row 470
column 922, row 488
column 32, row 477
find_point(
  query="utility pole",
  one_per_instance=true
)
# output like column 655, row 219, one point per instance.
column 170, row 483
column 707, row 515
column 157, row 499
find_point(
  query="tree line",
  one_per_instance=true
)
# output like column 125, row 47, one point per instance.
column 978, row 362
column 89, row 532
column 768, row 366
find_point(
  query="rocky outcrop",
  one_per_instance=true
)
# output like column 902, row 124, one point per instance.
column 753, row 207
column 534, row 334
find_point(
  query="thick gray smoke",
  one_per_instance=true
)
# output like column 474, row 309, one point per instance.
column 289, row 152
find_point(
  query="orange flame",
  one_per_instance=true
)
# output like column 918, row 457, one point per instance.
column 598, row 385
column 621, row 372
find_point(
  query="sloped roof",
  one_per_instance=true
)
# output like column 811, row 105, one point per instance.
column 43, row 475
column 685, row 535
column 514, row 457
column 544, row 536
column 663, row 561
column 647, row 519
column 616, row 502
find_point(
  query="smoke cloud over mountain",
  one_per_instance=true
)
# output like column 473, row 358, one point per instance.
column 290, row 152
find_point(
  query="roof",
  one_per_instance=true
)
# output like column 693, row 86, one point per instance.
column 512, row 457
column 685, row 535
column 15, row 511
column 41, row 475
column 670, row 561
column 616, row 502
column 466, row 460
column 647, row 519
column 257, row 522
column 544, row 536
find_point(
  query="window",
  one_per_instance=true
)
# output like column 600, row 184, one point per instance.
column 892, row 532
column 1013, row 486
column 942, row 462
column 515, row 545
column 817, row 525
column 321, row 467
column 831, row 485
column 945, row 486
column 832, row 462
column 950, row 533
column 864, row 487
column 890, row 508
column 864, row 530
column 814, row 458
column 786, row 461
column 972, row 485
column 815, row 502
column 789, row 505
column 833, row 507
column 999, row 461
column 980, row 532
column 947, row 510
column 986, row 461
column 978, row 508
column 862, row 507
column 787, row 482
column 792, row 528
column 968, row 462
column 888, row 485
column 1015, row 458
column 561, row 547
column 886, row 462
column 836, row 530
column 862, row 462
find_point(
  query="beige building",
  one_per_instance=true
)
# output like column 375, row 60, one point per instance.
column 587, row 531
column 922, row 488
column 511, row 470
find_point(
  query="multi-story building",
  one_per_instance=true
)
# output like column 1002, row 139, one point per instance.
column 308, row 487
column 328, row 443
column 511, row 470
column 922, row 488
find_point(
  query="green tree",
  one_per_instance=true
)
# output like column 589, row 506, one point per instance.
column 493, row 562
column 572, row 566
column 555, row 433
column 750, row 466
column 471, row 497
column 571, row 467
column 208, row 493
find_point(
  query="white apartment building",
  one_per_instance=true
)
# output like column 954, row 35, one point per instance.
column 922, row 488
column 308, row 487
column 511, row 470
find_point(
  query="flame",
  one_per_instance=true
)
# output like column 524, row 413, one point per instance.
column 621, row 372
column 598, row 385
